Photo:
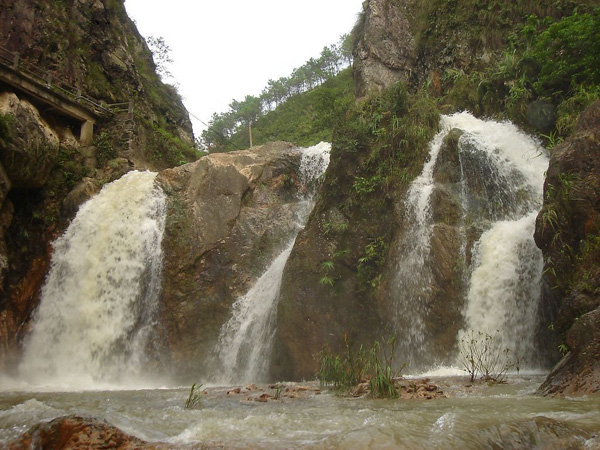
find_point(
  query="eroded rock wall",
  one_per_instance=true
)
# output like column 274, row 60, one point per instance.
column 568, row 232
column 386, row 51
column 229, row 215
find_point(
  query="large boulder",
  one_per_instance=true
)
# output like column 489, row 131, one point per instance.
column 228, row 217
column 568, row 232
column 77, row 432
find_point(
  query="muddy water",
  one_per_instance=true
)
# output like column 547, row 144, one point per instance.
column 478, row 416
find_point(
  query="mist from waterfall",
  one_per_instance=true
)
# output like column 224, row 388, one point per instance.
column 500, row 191
column 245, row 340
column 95, row 318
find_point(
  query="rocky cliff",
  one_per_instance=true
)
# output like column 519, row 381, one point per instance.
column 568, row 232
column 229, row 215
column 47, row 171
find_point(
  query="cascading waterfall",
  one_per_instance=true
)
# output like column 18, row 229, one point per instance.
column 245, row 341
column 95, row 318
column 500, row 192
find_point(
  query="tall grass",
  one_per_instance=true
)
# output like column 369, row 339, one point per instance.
column 374, row 365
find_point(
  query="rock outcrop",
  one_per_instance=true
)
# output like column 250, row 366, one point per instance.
column 229, row 215
column 386, row 50
column 568, row 232
column 76, row 432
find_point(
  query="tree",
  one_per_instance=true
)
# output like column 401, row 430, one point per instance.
column 345, row 47
column 161, row 54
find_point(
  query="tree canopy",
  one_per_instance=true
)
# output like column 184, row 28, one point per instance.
column 311, row 74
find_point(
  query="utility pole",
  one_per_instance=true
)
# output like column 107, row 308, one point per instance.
column 250, row 132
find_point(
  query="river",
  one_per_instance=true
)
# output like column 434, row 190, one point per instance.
column 474, row 416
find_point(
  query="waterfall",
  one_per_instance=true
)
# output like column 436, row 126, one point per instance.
column 245, row 341
column 497, row 192
column 95, row 317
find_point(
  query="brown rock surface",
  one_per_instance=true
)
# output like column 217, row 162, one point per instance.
column 568, row 232
column 386, row 51
column 77, row 433
column 229, row 216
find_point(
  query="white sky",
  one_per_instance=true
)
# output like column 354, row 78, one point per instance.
column 224, row 50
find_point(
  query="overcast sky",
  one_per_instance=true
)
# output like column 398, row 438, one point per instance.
column 224, row 50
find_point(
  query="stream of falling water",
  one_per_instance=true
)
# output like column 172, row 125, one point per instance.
column 98, row 302
column 505, row 168
column 245, row 341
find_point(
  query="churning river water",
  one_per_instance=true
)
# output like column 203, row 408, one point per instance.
column 474, row 416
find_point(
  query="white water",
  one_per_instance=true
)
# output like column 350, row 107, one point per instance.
column 508, row 167
column 245, row 341
column 97, row 305
column 505, row 286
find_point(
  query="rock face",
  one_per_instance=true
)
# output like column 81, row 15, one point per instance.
column 92, row 45
column 418, row 40
column 386, row 51
column 229, row 215
column 568, row 232
column 324, row 299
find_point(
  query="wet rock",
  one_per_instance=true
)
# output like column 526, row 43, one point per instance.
column 236, row 390
column 79, row 195
column 228, row 216
column 422, row 389
column 447, row 167
column 360, row 390
column 568, row 232
column 541, row 115
column 77, row 433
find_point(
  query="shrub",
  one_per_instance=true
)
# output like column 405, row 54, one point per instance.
column 483, row 358
column 569, row 53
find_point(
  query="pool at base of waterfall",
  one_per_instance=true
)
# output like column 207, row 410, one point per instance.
column 304, row 415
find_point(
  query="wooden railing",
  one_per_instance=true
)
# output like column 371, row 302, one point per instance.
column 45, row 78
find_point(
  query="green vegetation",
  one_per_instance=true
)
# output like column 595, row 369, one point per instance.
column 556, row 60
column 105, row 151
column 6, row 128
column 194, row 400
column 370, row 265
column 301, row 115
column 394, row 128
column 374, row 365
column 483, row 358
column 72, row 168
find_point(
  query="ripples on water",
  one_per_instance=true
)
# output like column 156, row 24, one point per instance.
column 473, row 417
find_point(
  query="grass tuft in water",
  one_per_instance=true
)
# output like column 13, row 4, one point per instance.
column 352, row 367
column 194, row 400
